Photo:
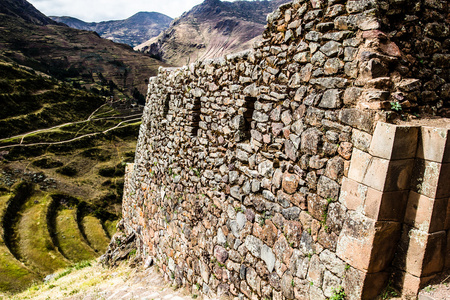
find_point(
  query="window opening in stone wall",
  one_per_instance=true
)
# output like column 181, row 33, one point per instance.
column 196, row 111
column 249, row 106
column 166, row 106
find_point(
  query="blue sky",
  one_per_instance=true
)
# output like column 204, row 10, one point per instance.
column 103, row 10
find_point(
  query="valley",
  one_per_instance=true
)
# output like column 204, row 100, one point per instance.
column 62, row 157
column 131, row 31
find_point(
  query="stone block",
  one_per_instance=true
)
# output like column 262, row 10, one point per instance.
column 353, row 194
column 373, row 284
column 425, row 253
column 394, row 142
column 327, row 188
column 290, row 183
column 378, row 173
column 385, row 206
column 426, row 213
column 359, row 163
column 366, row 244
column 411, row 284
column 310, row 141
column 359, row 284
column 363, row 120
column 317, row 206
column 361, row 140
column 434, row 144
column 431, row 179
column 331, row 99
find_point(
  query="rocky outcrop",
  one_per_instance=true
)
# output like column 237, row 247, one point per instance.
column 277, row 172
column 211, row 29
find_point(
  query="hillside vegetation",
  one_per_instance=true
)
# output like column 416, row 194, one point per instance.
column 29, row 38
column 62, row 157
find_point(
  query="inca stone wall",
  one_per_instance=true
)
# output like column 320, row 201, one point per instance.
column 274, row 173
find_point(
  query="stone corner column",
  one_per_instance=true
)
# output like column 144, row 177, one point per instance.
column 376, row 193
column 424, row 247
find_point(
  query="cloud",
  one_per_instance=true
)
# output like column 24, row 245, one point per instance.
column 103, row 10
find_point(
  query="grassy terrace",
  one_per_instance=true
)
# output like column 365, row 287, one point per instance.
column 95, row 234
column 13, row 273
column 70, row 240
column 57, row 140
column 34, row 244
column 110, row 227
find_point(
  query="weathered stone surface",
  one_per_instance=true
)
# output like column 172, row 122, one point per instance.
column 282, row 250
column 327, row 188
column 293, row 231
column 290, row 150
column 268, row 257
column 331, row 99
column 290, row 183
column 253, row 245
column 287, row 286
column 310, row 141
column 394, row 142
column 360, row 119
column 265, row 168
column 221, row 254
column 357, row 238
column 331, row 48
column 291, row 213
column 317, row 206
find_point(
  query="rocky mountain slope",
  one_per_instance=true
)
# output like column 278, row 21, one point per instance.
column 29, row 38
column 132, row 31
column 211, row 29
column 24, row 10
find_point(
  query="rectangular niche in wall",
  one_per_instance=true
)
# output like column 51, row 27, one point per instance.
column 249, row 107
column 166, row 106
column 194, row 117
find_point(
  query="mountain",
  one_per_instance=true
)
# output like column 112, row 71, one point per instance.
column 25, row 11
column 132, row 31
column 211, row 29
column 29, row 38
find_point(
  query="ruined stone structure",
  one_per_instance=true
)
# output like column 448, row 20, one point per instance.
column 279, row 172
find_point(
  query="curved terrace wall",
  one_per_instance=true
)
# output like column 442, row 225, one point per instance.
column 274, row 173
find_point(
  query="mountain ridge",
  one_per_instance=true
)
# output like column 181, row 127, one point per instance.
column 25, row 11
column 29, row 38
column 211, row 29
column 132, row 31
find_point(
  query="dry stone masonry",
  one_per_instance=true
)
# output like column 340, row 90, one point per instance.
column 279, row 172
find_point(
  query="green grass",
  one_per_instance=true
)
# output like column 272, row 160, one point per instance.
column 110, row 227
column 95, row 234
column 34, row 242
column 70, row 241
column 14, row 275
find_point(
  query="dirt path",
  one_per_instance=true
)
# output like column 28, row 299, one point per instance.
column 74, row 139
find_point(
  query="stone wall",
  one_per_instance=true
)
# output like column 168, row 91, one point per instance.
column 272, row 173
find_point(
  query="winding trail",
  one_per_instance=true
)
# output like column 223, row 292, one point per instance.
column 127, row 119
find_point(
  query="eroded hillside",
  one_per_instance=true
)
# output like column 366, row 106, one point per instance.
column 211, row 29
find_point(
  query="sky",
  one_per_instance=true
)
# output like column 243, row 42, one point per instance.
column 104, row 10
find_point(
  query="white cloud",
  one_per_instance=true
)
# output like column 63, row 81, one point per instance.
column 102, row 10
